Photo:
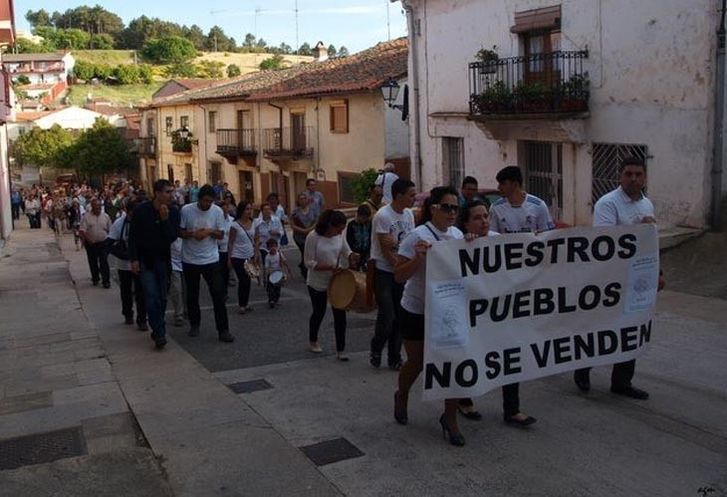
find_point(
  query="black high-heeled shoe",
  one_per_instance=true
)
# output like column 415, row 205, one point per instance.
column 454, row 438
column 399, row 410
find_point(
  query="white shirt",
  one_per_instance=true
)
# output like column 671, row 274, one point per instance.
column 176, row 251
column 272, row 262
column 617, row 208
column 120, row 231
column 389, row 222
column 192, row 218
column 323, row 250
column 264, row 229
column 530, row 216
column 386, row 180
column 279, row 213
column 243, row 246
column 414, row 291
column 222, row 244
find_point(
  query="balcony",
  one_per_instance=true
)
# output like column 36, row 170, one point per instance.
column 288, row 143
column 548, row 85
column 181, row 145
column 234, row 143
column 146, row 147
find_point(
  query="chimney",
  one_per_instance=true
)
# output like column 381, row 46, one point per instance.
column 320, row 52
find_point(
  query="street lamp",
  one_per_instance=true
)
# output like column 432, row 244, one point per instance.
column 390, row 90
column 184, row 132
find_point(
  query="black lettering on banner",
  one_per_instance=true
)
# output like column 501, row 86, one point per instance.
column 554, row 244
column 535, row 253
column 477, row 308
column 583, row 302
column 612, row 293
column 494, row 316
column 581, row 346
column 522, row 300
column 511, row 360
column 487, row 265
column 467, row 263
column 541, row 359
column 459, row 373
column 607, row 342
column 578, row 245
column 627, row 243
column 432, row 373
column 598, row 242
column 645, row 333
column 563, row 307
column 561, row 349
column 628, row 335
column 513, row 254
column 543, row 301
column 492, row 361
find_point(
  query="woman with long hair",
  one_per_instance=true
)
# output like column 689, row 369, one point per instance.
column 325, row 252
column 474, row 223
column 303, row 220
column 439, row 215
column 241, row 250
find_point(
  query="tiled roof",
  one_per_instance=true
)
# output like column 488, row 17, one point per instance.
column 192, row 83
column 27, row 57
column 31, row 115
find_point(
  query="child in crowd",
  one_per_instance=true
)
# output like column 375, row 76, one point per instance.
column 274, row 262
column 358, row 235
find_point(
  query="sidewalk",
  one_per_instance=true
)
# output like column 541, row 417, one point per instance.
column 59, row 399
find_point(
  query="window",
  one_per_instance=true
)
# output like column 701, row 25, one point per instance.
column 339, row 116
column 606, row 159
column 188, row 172
column 168, row 124
column 184, row 122
column 345, row 188
column 150, row 126
column 453, row 161
column 215, row 173
column 212, row 121
column 170, row 172
column 543, row 174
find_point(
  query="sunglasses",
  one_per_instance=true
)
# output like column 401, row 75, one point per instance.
column 447, row 208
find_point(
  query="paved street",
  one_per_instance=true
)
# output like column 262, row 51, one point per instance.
column 201, row 438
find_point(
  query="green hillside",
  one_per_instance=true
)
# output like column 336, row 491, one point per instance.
column 111, row 57
column 122, row 95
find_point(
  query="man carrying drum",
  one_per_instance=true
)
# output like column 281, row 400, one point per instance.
column 391, row 224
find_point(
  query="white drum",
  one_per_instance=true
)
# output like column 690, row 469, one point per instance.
column 276, row 277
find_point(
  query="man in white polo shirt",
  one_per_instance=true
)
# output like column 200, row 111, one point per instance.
column 202, row 224
column 625, row 205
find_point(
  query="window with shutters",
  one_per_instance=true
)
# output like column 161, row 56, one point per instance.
column 184, row 122
column 212, row 122
column 543, row 173
column 339, row 116
column 453, row 160
column 168, row 124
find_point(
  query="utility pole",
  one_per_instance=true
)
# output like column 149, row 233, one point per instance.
column 296, row 26
column 388, row 20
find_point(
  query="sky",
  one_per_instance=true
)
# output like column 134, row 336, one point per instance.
column 357, row 24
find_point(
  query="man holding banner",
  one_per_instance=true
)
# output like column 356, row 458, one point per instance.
column 626, row 205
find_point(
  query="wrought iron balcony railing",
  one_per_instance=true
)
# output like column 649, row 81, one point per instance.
column 535, row 84
column 146, row 147
column 288, row 142
column 236, row 142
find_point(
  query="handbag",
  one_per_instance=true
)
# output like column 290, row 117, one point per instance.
column 119, row 248
column 284, row 239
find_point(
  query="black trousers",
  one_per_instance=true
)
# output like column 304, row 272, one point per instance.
column 319, row 301
column 98, row 262
column 621, row 374
column 131, row 292
column 225, row 273
column 302, row 266
column 388, row 299
column 510, row 400
column 213, row 277
column 273, row 292
column 243, row 282
column 15, row 208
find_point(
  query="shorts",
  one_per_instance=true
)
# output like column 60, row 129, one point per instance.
column 411, row 325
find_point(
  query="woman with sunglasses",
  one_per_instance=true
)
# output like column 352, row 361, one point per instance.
column 439, row 215
column 474, row 223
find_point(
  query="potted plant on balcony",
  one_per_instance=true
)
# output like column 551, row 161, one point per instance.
column 489, row 59
column 494, row 99
column 573, row 94
column 532, row 97
column 181, row 143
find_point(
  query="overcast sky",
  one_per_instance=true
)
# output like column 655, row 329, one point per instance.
column 357, row 24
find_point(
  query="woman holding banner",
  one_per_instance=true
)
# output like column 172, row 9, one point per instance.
column 438, row 218
column 474, row 223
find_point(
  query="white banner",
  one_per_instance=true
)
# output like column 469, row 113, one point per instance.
column 511, row 308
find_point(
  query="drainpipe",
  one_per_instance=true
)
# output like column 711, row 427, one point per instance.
column 199, row 164
column 280, row 128
column 414, row 81
column 719, row 124
column 318, row 139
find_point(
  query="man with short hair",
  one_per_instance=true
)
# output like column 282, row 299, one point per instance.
column 373, row 202
column 469, row 190
column 391, row 224
column 153, row 229
column 386, row 179
column 626, row 205
column 517, row 211
column 315, row 198
column 202, row 224
column 94, row 230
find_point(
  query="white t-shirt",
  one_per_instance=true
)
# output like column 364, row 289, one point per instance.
column 176, row 250
column 264, row 229
column 279, row 213
column 617, row 208
column 222, row 244
column 243, row 246
column 120, row 232
column 389, row 222
column 386, row 180
column 530, row 216
column 324, row 250
column 272, row 262
column 414, row 291
column 193, row 218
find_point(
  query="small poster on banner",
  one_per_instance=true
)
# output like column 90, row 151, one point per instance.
column 448, row 312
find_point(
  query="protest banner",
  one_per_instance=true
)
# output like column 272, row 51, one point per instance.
column 510, row 308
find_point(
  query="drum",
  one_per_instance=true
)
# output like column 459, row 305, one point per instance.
column 275, row 277
column 347, row 291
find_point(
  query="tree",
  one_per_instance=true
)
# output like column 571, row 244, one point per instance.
column 361, row 184
column 305, row 49
column 181, row 70
column 250, row 41
column 284, row 48
column 195, row 34
column 218, row 41
column 210, row 69
column 233, row 70
column 102, row 150
column 332, row 52
column 43, row 147
column 102, row 41
column 22, row 80
column 170, row 50
column 274, row 62
column 84, row 70
column 343, row 51
column 72, row 39
column 146, row 74
column 38, row 18
column 126, row 74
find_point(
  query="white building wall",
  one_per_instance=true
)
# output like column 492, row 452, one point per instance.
column 397, row 131
column 651, row 73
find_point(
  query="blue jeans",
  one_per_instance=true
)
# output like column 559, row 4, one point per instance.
column 155, row 282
